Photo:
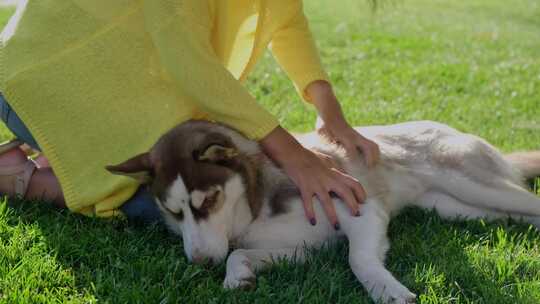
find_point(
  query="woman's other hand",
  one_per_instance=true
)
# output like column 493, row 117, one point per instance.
column 333, row 126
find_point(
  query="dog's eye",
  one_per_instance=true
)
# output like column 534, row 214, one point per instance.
column 195, row 155
column 178, row 215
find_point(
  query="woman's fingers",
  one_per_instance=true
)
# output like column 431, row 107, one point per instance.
column 307, row 200
column 329, row 209
column 346, row 194
column 357, row 189
column 377, row 152
column 312, row 175
column 350, row 149
column 368, row 155
column 320, row 176
column 354, row 143
column 370, row 151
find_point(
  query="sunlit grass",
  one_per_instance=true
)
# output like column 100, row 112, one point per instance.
column 472, row 64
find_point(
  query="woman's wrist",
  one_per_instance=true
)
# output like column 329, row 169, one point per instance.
column 326, row 102
column 320, row 92
column 281, row 147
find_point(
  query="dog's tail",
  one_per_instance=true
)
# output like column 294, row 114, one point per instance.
column 528, row 163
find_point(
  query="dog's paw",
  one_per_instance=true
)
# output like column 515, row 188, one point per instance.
column 405, row 298
column 397, row 294
column 239, row 274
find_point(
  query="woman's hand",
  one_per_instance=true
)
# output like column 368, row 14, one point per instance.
column 344, row 135
column 314, row 175
column 333, row 126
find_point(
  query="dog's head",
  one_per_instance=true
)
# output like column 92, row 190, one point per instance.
column 199, row 173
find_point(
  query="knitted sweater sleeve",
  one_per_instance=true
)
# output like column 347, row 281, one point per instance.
column 180, row 34
column 296, row 51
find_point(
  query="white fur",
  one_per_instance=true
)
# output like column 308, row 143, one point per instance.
column 205, row 239
column 178, row 196
column 426, row 164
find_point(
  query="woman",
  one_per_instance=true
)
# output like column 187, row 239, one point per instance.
column 91, row 82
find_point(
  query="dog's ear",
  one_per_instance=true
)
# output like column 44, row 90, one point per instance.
column 217, row 153
column 138, row 168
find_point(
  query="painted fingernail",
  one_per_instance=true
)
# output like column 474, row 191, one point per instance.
column 357, row 213
column 313, row 222
column 336, row 226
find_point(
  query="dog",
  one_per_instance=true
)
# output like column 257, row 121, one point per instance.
column 216, row 189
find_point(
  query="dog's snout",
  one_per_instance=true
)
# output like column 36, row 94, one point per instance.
column 203, row 243
column 198, row 258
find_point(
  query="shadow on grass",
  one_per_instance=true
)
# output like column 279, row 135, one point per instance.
column 115, row 261
column 463, row 261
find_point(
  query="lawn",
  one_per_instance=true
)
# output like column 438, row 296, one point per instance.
column 472, row 64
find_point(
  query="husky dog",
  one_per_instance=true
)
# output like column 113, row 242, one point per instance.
column 216, row 189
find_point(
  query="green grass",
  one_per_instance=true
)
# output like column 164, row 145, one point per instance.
column 472, row 64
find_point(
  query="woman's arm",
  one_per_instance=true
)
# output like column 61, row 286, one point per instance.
column 180, row 36
column 180, row 33
column 334, row 125
column 295, row 50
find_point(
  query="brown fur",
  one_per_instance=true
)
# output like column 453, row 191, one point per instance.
column 203, row 158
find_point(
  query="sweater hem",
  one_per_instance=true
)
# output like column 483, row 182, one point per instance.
column 301, row 83
column 59, row 170
column 2, row 66
column 262, row 129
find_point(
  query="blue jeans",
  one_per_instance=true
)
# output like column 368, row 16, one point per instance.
column 140, row 207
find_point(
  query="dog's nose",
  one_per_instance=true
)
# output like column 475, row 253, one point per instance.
column 198, row 259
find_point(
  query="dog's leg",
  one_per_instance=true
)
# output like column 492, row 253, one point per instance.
column 449, row 207
column 502, row 196
column 367, row 237
column 243, row 263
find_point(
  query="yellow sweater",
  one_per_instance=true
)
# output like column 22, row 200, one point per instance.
column 98, row 81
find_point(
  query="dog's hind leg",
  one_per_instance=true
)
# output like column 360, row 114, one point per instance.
column 367, row 237
column 498, row 194
column 449, row 207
